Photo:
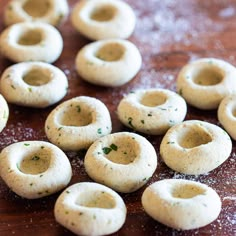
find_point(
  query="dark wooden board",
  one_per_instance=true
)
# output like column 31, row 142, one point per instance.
column 169, row 34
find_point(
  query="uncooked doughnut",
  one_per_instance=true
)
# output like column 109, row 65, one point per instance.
column 195, row 147
column 122, row 161
column 227, row 114
column 33, row 84
column 103, row 19
column 48, row 11
column 34, row 169
column 4, row 113
column 76, row 123
column 152, row 111
column 110, row 62
column 31, row 41
column 181, row 204
column 90, row 209
column 205, row 82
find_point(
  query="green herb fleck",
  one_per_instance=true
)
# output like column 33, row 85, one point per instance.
column 67, row 191
column 130, row 119
column 142, row 121
column 41, row 176
column 35, row 158
column 113, row 147
column 78, row 108
column 26, row 144
column 99, row 131
column 60, row 128
column 170, row 142
column 31, row 184
column 106, row 150
column 149, row 114
column 42, row 147
column 30, row 89
column 13, row 86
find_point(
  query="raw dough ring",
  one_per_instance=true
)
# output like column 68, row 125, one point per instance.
column 205, row 82
column 152, row 111
column 33, row 84
column 103, row 19
column 77, row 123
column 34, row 169
column 31, row 41
column 181, row 204
column 48, row 11
column 122, row 161
column 195, row 147
column 90, row 209
column 4, row 113
column 109, row 62
column 226, row 114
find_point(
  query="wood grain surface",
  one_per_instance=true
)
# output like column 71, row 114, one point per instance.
column 169, row 34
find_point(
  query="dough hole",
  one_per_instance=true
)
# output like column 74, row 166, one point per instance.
column 96, row 200
column 187, row 191
column 30, row 37
column 111, row 52
column 194, row 137
column 208, row 76
column 37, row 8
column 35, row 163
column 75, row 116
column 104, row 13
column 37, row 77
column 153, row 99
column 123, row 151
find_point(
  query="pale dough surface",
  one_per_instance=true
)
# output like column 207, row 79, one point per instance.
column 226, row 114
column 205, row 82
column 4, row 112
column 31, row 41
column 33, row 84
column 122, row 161
column 34, row 169
column 109, row 62
column 151, row 111
column 103, row 19
column 76, row 123
column 47, row 11
column 195, row 147
column 181, row 204
column 90, row 209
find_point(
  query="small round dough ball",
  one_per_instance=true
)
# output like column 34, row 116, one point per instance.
column 122, row 161
column 4, row 113
column 31, row 41
column 181, row 204
column 76, row 123
column 34, row 169
column 33, row 84
column 205, row 82
column 195, row 147
column 47, row 11
column 152, row 111
column 109, row 62
column 90, row 209
column 227, row 114
column 103, row 19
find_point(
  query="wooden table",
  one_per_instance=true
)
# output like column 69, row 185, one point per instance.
column 169, row 34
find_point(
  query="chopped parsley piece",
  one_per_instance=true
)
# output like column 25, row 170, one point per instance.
column 35, row 158
column 106, row 150
column 142, row 121
column 113, row 147
column 26, row 144
column 99, row 131
column 130, row 119
column 78, row 108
